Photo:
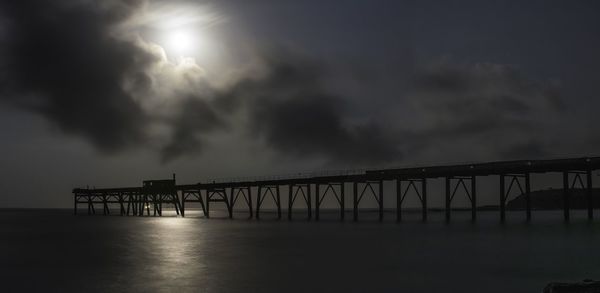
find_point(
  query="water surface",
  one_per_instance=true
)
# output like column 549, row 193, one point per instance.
column 51, row 250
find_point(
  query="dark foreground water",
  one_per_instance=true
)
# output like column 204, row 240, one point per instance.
column 53, row 251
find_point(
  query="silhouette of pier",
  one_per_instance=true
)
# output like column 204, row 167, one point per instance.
column 150, row 198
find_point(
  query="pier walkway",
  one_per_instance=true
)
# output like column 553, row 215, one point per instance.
column 513, row 176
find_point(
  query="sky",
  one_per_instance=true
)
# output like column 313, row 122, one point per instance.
column 109, row 93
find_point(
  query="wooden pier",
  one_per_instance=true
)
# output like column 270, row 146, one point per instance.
column 512, row 176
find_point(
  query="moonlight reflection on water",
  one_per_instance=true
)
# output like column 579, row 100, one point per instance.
column 147, row 254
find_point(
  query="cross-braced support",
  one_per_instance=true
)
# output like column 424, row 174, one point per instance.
column 263, row 191
column 295, row 190
column 192, row 195
column 139, row 204
column 165, row 198
column 577, row 182
column 453, row 184
column 144, row 205
column 93, row 198
column 217, row 195
column 413, row 184
column 105, row 210
column 75, row 203
column 91, row 209
column 82, row 198
column 130, row 204
column 367, row 187
column 114, row 198
column 329, row 189
column 519, row 182
column 235, row 193
column 133, row 199
column 121, row 198
column 151, row 203
column 129, row 199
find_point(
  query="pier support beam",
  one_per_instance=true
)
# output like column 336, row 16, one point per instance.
column 290, row 201
column 105, row 209
column 207, row 212
column 335, row 189
column 258, row 202
column 317, row 201
column 192, row 195
column 167, row 197
column 528, row 196
column 502, row 199
column 402, row 193
column 309, row 201
column 456, row 183
column 516, row 183
column 121, row 204
column 217, row 195
column 147, row 202
column 566, row 209
column 182, row 204
column 235, row 193
column 130, row 200
column 293, row 191
column 250, row 207
column 278, row 202
column 263, row 192
column 380, row 200
column 342, row 201
column 577, row 182
column 448, row 211
column 355, row 201
column 368, row 188
column 91, row 209
column 399, row 199
column 473, row 198
column 75, row 202
column 424, row 198
column 589, row 196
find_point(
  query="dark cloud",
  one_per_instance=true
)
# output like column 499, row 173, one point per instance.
column 526, row 149
column 63, row 60
column 60, row 60
column 289, row 108
column 196, row 119
column 485, row 105
column 66, row 64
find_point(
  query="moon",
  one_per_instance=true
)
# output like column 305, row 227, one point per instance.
column 182, row 43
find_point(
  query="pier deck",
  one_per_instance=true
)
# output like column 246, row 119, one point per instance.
column 462, row 178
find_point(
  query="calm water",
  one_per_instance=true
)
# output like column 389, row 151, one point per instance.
column 53, row 251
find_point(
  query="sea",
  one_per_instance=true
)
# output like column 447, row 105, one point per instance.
column 55, row 251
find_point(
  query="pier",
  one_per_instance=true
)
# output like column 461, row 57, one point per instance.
column 513, row 176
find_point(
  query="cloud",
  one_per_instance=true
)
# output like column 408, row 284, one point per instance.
column 486, row 107
column 79, row 65
column 72, row 63
column 60, row 60
column 288, row 107
column 196, row 120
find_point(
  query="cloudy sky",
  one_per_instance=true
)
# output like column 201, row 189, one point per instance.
column 108, row 93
